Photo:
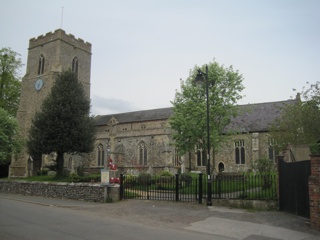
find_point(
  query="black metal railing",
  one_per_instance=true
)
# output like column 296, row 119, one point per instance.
column 194, row 187
column 262, row 186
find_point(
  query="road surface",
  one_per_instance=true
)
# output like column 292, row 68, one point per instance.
column 24, row 220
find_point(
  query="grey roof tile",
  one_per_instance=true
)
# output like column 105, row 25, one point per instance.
column 256, row 117
column 251, row 118
column 138, row 116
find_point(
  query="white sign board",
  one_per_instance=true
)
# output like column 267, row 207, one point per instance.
column 105, row 177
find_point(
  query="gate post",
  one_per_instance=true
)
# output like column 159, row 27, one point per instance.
column 121, row 187
column 177, row 187
column 314, row 192
column 279, row 160
column 200, row 188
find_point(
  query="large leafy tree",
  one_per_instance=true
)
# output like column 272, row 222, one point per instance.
column 189, row 106
column 63, row 125
column 10, row 64
column 299, row 123
column 10, row 141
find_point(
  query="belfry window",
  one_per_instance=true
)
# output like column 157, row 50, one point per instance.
column 75, row 65
column 41, row 65
column 239, row 152
column 100, row 155
column 143, row 154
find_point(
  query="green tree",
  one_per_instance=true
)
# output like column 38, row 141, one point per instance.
column 10, row 141
column 10, row 64
column 299, row 122
column 63, row 124
column 189, row 106
column 263, row 165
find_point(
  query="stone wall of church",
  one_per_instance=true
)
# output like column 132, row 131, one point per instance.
column 255, row 145
column 124, row 140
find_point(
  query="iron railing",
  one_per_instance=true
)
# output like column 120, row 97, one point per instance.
column 194, row 187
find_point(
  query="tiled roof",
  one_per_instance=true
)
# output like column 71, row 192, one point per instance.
column 257, row 117
column 251, row 118
column 138, row 116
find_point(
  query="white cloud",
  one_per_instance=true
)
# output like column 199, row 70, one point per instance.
column 104, row 106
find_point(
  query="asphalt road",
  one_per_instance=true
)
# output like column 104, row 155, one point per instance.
column 21, row 220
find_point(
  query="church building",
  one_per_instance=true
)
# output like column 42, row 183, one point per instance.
column 138, row 141
column 141, row 141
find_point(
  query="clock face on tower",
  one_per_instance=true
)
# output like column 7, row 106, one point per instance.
column 38, row 84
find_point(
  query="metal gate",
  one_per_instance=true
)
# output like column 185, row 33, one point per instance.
column 293, row 187
column 172, row 188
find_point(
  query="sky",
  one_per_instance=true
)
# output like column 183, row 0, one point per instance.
column 142, row 48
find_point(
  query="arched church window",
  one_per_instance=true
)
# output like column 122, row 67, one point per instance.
column 41, row 65
column 75, row 65
column 239, row 152
column 176, row 158
column 221, row 167
column 201, row 157
column 143, row 154
column 70, row 164
column 100, row 155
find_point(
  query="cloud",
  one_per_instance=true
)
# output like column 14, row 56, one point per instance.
column 103, row 106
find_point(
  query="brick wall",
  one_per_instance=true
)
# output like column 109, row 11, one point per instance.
column 314, row 192
column 76, row 191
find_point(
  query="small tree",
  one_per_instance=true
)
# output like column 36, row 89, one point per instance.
column 10, row 64
column 265, row 167
column 189, row 118
column 10, row 140
column 299, row 123
column 63, row 125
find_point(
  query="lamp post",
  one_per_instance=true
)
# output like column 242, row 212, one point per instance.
column 199, row 80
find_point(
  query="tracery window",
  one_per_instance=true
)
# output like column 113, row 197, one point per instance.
column 143, row 154
column 176, row 158
column 100, row 155
column 201, row 157
column 239, row 152
column 75, row 65
column 41, row 65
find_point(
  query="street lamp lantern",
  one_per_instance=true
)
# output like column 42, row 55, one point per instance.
column 199, row 80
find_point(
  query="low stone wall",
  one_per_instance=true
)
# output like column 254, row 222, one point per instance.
column 247, row 204
column 77, row 191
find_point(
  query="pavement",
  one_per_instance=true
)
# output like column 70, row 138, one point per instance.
column 230, row 223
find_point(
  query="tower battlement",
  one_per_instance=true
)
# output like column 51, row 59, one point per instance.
column 60, row 34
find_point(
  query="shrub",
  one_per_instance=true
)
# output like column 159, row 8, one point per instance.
column 166, row 173
column 90, row 179
column 315, row 148
column 186, row 178
column 263, row 165
column 80, row 170
column 43, row 172
column 74, row 177
column 144, row 178
column 130, row 180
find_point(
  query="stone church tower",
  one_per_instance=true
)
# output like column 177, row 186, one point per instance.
column 48, row 55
